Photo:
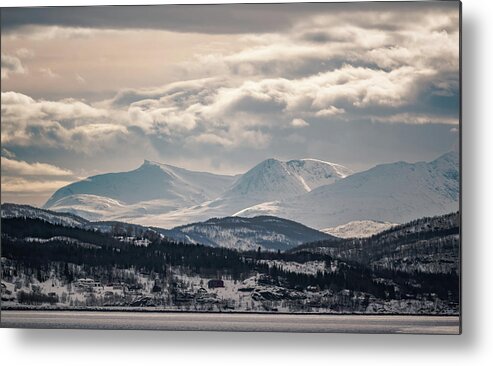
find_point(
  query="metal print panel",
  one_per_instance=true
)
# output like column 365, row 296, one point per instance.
column 243, row 167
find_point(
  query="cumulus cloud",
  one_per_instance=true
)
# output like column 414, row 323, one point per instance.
column 11, row 65
column 67, row 123
column 298, row 122
column 373, row 38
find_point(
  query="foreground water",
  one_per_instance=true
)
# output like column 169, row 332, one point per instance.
column 232, row 322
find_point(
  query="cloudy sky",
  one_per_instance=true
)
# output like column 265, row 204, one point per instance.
column 221, row 87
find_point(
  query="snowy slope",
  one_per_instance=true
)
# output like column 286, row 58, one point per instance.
column 152, row 188
column 268, row 232
column 270, row 180
column 10, row 210
column 358, row 229
column 89, row 206
column 396, row 192
column 273, row 179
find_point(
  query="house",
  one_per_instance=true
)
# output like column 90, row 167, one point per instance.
column 88, row 284
column 215, row 283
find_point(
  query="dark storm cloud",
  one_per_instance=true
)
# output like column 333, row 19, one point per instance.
column 224, row 18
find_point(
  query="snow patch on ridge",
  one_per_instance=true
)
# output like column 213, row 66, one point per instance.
column 358, row 229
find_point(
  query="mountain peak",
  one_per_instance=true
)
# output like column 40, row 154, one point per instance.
column 393, row 192
column 273, row 179
column 269, row 162
column 152, row 163
column 175, row 187
column 148, row 162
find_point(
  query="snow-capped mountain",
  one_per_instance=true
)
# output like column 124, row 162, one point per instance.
column 166, row 196
column 396, row 192
column 241, row 233
column 150, row 189
column 272, row 179
column 10, row 210
column 358, row 229
column 312, row 192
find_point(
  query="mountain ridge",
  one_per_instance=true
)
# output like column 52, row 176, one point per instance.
column 267, row 232
column 393, row 192
column 164, row 195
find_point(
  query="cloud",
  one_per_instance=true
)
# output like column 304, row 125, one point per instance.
column 30, row 178
column 24, row 53
column 11, row 65
column 416, row 119
column 217, row 111
column 226, row 18
column 331, row 111
column 209, row 138
column 237, row 18
column 23, row 168
column 7, row 153
column 21, row 186
column 427, row 39
column 46, row 71
column 298, row 122
column 15, row 98
column 68, row 124
column 50, row 32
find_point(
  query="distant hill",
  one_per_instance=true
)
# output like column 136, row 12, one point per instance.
column 10, row 210
column 241, row 233
column 267, row 232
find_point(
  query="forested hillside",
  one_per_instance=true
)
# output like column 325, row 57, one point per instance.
column 430, row 244
column 45, row 264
